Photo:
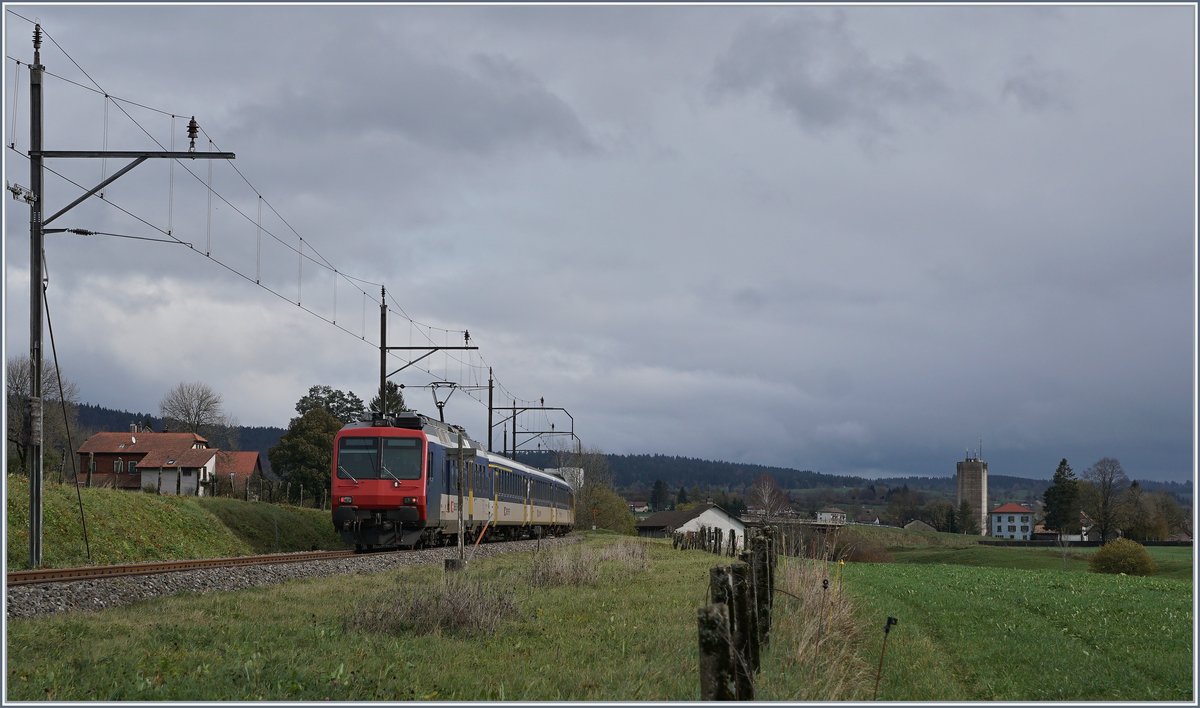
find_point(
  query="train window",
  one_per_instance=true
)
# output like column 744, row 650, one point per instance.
column 402, row 458
column 356, row 458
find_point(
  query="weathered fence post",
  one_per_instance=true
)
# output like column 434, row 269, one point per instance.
column 716, row 654
column 745, row 661
column 743, row 588
column 760, row 568
column 720, row 588
column 772, row 562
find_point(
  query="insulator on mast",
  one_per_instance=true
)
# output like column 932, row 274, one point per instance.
column 193, row 132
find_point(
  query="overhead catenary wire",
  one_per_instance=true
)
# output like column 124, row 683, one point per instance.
column 316, row 257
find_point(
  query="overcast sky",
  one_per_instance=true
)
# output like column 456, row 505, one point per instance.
column 856, row 240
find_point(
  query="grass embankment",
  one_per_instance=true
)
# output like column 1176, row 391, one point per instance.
column 127, row 527
column 614, row 625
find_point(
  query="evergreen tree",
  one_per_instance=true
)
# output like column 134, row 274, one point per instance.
column 659, row 496
column 1061, row 499
column 681, row 497
column 394, row 400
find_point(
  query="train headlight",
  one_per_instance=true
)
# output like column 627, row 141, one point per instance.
column 410, row 500
column 346, row 500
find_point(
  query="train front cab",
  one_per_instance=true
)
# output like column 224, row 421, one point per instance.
column 378, row 485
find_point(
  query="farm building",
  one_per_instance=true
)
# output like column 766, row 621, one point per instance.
column 167, row 463
column 711, row 516
column 831, row 515
column 171, row 462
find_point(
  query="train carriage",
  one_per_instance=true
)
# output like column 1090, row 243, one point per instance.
column 396, row 483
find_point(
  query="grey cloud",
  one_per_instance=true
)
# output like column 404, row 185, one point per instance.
column 489, row 105
column 814, row 68
column 1036, row 88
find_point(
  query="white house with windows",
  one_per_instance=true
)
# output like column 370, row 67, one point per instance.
column 1011, row 521
column 831, row 515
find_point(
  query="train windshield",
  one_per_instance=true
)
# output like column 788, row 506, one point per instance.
column 379, row 458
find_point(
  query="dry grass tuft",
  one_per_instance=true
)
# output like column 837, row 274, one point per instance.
column 823, row 636
column 580, row 566
column 563, row 568
column 460, row 605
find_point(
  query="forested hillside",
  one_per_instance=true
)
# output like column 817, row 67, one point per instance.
column 639, row 472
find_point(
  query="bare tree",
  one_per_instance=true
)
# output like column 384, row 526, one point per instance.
column 196, row 408
column 766, row 495
column 18, row 388
column 1109, row 481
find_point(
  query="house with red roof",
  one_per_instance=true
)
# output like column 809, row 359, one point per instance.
column 166, row 463
column 237, row 467
column 1011, row 521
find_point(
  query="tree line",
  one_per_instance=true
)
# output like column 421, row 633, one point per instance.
column 1113, row 503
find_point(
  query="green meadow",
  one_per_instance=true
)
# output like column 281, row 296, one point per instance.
column 608, row 619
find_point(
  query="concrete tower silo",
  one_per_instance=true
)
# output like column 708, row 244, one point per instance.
column 972, row 486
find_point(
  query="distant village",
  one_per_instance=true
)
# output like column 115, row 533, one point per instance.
column 970, row 514
column 166, row 462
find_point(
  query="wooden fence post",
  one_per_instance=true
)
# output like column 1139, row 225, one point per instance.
column 772, row 562
column 720, row 588
column 745, row 651
column 716, row 654
column 743, row 584
column 760, row 571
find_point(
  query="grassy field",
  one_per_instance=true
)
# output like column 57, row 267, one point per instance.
column 618, row 623
column 628, row 633
column 976, row 622
column 987, row 633
column 1173, row 562
column 132, row 526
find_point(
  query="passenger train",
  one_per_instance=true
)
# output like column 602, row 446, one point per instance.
column 395, row 484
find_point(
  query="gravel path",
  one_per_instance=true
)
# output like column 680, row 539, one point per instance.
column 91, row 595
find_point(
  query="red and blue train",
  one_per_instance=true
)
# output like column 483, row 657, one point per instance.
column 395, row 483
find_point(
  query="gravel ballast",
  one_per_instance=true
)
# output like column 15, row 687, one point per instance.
column 92, row 595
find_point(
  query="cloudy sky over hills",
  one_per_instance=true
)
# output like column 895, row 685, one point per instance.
column 855, row 240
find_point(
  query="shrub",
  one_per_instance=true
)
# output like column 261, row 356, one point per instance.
column 1123, row 556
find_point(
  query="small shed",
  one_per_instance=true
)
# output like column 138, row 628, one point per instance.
column 709, row 516
column 918, row 525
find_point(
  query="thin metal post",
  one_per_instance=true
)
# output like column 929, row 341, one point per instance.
column 382, row 352
column 33, row 448
column 462, row 550
column 491, row 391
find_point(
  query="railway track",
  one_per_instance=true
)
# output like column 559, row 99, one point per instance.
column 94, row 572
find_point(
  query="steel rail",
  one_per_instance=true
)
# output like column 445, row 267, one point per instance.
column 61, row 575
